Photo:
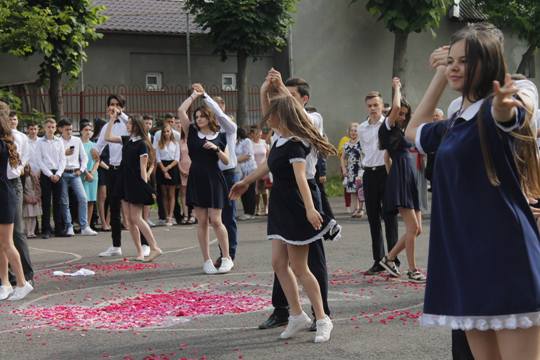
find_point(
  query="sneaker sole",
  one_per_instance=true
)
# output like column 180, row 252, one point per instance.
column 388, row 269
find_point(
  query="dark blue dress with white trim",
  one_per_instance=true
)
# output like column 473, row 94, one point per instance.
column 287, row 219
column 400, row 190
column 484, row 252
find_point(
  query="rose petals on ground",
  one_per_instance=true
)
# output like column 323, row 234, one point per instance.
column 145, row 310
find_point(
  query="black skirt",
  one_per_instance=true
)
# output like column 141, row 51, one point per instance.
column 174, row 173
column 103, row 177
column 287, row 219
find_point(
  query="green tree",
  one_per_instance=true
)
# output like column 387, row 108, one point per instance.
column 58, row 30
column 521, row 17
column 404, row 17
column 245, row 27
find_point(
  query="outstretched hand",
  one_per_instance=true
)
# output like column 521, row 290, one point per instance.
column 238, row 189
column 504, row 100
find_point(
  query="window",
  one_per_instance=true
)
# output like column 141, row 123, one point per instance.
column 154, row 81
column 228, row 82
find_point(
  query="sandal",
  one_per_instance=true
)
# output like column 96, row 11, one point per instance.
column 184, row 221
column 192, row 220
column 356, row 214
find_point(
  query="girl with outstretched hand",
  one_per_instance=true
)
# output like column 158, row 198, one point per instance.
column 294, row 217
column 483, row 274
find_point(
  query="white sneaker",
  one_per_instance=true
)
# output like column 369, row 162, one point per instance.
column 324, row 328
column 245, row 217
column 112, row 251
column 20, row 292
column 226, row 265
column 87, row 231
column 5, row 291
column 209, row 267
column 146, row 250
column 70, row 231
column 150, row 223
column 161, row 222
column 296, row 323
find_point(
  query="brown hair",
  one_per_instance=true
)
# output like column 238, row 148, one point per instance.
column 49, row 121
column 161, row 141
column 209, row 114
column 372, row 95
column 138, row 129
column 485, row 63
column 6, row 135
column 293, row 117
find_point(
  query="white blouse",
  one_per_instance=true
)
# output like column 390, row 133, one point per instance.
column 170, row 152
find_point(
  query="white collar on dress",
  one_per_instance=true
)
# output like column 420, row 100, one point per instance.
column 207, row 137
column 135, row 138
column 283, row 140
column 471, row 111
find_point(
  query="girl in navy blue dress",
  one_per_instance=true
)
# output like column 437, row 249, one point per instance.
column 295, row 217
column 206, row 187
column 484, row 253
column 401, row 192
column 8, row 253
column 136, row 192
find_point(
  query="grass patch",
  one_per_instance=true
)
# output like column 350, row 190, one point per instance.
column 334, row 186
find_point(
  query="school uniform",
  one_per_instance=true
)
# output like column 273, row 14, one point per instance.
column 228, row 130
column 114, row 177
column 166, row 155
column 374, row 180
column 14, row 181
column 52, row 161
column 464, row 290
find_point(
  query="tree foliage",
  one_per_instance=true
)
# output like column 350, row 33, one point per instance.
column 408, row 15
column 252, row 27
column 521, row 17
column 59, row 30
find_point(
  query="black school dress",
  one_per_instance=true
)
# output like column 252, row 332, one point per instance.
column 400, row 190
column 7, row 195
column 134, row 190
column 206, row 187
column 287, row 219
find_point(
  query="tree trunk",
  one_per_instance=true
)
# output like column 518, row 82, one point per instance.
column 242, row 83
column 400, row 59
column 55, row 94
column 526, row 66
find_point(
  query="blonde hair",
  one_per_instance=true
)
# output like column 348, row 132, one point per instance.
column 294, row 118
column 161, row 141
column 6, row 135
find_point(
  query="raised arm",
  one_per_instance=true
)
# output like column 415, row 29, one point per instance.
column 424, row 111
column 109, row 137
column 183, row 109
column 396, row 102
column 223, row 119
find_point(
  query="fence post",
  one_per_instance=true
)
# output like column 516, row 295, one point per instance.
column 81, row 106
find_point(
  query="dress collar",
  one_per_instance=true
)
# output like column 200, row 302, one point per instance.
column 470, row 112
column 207, row 137
column 281, row 140
column 135, row 138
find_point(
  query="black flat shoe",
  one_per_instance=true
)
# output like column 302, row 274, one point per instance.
column 274, row 321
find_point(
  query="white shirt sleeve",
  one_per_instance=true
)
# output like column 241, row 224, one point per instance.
column 223, row 119
column 40, row 151
column 101, row 143
column 63, row 159
column 82, row 156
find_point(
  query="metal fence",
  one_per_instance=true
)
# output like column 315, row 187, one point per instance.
column 91, row 103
